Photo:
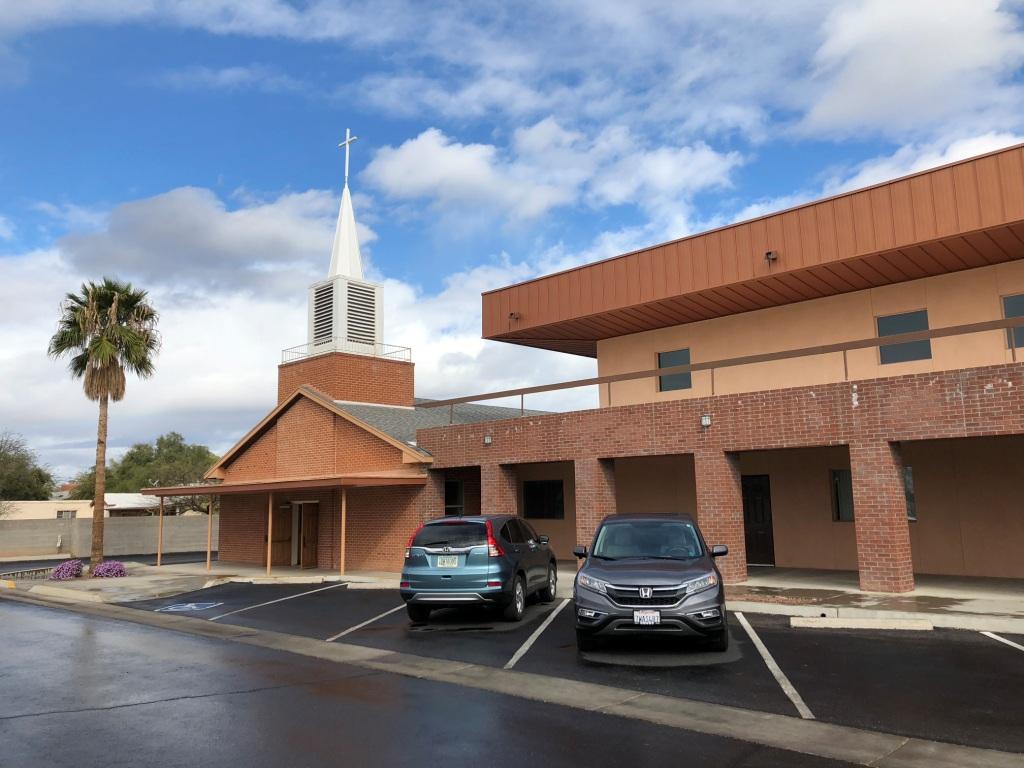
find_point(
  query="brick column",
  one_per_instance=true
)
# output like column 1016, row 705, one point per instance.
column 498, row 490
column 595, row 496
column 720, row 509
column 430, row 501
column 880, row 517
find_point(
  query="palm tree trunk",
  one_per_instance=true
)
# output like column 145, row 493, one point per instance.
column 99, row 504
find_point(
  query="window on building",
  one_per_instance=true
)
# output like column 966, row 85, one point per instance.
column 543, row 499
column 1013, row 306
column 675, row 380
column 906, row 322
column 842, row 495
column 908, row 489
column 454, row 503
column 66, row 514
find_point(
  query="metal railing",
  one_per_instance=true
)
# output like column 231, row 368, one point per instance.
column 824, row 349
column 385, row 351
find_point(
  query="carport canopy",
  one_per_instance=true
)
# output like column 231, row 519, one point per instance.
column 342, row 481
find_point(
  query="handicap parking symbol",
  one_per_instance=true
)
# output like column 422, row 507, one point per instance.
column 180, row 607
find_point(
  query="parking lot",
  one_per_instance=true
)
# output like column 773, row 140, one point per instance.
column 944, row 685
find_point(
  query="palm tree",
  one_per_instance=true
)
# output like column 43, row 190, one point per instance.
column 106, row 329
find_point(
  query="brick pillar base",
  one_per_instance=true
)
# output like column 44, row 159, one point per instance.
column 430, row 500
column 720, row 509
column 880, row 518
column 498, row 491
column 595, row 496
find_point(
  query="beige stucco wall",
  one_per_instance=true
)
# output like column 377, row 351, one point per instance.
column 561, row 532
column 47, row 510
column 805, row 534
column 655, row 485
column 970, row 506
column 953, row 299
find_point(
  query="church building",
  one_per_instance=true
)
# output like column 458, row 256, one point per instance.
column 837, row 386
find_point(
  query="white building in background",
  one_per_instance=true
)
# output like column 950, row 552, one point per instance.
column 117, row 505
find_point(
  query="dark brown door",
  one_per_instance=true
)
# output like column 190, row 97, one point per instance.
column 281, row 545
column 757, row 520
column 310, row 526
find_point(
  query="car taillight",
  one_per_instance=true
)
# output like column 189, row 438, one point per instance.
column 493, row 548
column 403, row 585
column 408, row 546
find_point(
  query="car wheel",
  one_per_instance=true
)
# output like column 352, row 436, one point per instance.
column 418, row 614
column 548, row 593
column 515, row 609
column 720, row 641
column 585, row 641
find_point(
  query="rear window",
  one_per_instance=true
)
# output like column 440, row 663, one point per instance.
column 451, row 534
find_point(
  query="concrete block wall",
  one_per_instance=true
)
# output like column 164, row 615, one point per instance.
column 121, row 536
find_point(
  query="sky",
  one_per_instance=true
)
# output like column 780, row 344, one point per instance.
column 191, row 147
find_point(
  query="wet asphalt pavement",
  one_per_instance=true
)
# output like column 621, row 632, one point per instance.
column 944, row 685
column 81, row 691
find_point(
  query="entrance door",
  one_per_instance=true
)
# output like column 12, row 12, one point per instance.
column 757, row 520
column 310, row 524
column 281, row 544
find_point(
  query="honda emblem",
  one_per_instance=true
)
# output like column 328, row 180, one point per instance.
column 646, row 592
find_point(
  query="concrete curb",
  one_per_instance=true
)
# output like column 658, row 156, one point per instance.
column 816, row 622
column 972, row 622
column 811, row 737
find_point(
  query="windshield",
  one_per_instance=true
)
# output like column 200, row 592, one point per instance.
column 652, row 539
column 452, row 534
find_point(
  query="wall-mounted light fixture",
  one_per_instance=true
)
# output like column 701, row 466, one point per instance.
column 487, row 440
column 705, row 420
column 770, row 256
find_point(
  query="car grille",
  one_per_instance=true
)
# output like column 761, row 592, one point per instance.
column 629, row 597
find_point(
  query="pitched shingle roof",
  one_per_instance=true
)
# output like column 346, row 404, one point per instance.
column 402, row 423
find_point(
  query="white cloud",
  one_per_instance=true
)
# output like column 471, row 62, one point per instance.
column 72, row 216
column 910, row 65
column 6, row 228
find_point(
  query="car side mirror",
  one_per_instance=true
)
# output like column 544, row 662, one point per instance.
column 580, row 552
column 719, row 550
column 542, row 539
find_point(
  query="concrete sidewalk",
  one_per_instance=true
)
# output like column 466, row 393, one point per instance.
column 994, row 605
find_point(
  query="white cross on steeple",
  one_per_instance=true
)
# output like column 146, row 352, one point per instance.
column 345, row 257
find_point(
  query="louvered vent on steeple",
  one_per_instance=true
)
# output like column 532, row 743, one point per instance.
column 323, row 314
column 362, row 313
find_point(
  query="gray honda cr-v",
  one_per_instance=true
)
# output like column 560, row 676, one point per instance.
column 650, row 574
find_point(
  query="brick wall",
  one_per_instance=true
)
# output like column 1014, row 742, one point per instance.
column 498, row 490
column 470, row 478
column 720, row 508
column 243, row 527
column 595, row 495
column 357, row 378
column 970, row 402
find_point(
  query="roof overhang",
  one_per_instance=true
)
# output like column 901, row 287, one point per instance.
column 362, row 480
column 959, row 216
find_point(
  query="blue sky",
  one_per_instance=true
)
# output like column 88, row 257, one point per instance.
column 191, row 147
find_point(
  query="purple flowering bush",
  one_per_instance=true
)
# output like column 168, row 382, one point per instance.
column 109, row 569
column 69, row 569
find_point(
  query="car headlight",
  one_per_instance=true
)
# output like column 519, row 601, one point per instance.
column 699, row 585
column 594, row 585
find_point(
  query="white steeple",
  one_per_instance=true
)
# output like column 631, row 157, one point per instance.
column 345, row 257
column 344, row 309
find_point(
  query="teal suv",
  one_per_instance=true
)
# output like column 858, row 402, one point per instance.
column 486, row 560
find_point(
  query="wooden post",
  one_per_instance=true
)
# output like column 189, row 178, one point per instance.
column 160, row 535
column 209, row 533
column 270, row 526
column 341, row 537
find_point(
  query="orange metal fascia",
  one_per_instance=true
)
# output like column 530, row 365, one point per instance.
column 959, row 216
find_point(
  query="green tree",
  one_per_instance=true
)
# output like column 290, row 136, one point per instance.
column 21, row 475
column 167, row 461
column 106, row 330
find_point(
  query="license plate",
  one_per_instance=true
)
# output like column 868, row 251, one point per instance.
column 646, row 618
column 447, row 561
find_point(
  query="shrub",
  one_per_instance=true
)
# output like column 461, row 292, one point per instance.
column 109, row 569
column 69, row 569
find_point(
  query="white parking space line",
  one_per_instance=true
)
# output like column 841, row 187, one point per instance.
column 279, row 600
column 1010, row 643
column 363, row 624
column 533, row 638
column 773, row 667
